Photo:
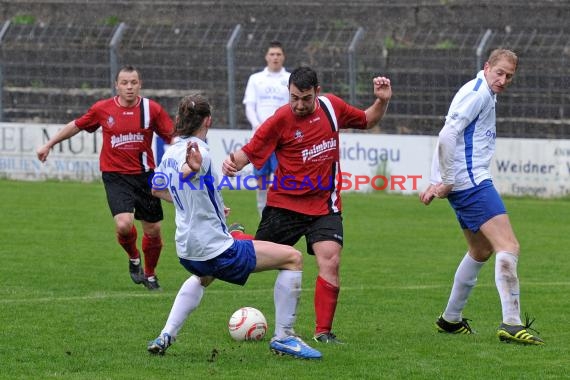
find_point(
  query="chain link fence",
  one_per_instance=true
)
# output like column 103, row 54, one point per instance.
column 53, row 73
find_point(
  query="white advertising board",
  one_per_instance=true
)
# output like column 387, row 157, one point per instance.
column 369, row 162
column 75, row 159
column 526, row 167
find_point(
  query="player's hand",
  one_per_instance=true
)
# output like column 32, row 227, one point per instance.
column 382, row 88
column 427, row 195
column 42, row 152
column 442, row 191
column 193, row 156
column 227, row 211
column 229, row 166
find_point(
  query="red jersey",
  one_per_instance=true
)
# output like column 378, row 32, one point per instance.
column 127, row 133
column 307, row 150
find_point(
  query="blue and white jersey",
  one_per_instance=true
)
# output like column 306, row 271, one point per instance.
column 201, row 232
column 466, row 143
column 267, row 91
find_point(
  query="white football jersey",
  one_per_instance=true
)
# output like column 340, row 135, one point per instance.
column 201, row 231
column 469, row 135
column 267, row 91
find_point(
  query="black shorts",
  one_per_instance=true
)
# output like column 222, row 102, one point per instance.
column 287, row 227
column 131, row 193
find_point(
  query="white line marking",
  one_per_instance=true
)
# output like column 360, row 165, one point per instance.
column 170, row 294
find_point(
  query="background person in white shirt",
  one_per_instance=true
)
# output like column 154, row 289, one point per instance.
column 460, row 173
column 265, row 92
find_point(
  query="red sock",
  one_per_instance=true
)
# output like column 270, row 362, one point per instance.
column 129, row 243
column 151, row 246
column 238, row 235
column 326, row 296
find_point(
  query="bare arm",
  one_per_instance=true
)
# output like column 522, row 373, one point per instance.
column 383, row 93
column 65, row 133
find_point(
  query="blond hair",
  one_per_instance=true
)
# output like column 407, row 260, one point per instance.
column 497, row 54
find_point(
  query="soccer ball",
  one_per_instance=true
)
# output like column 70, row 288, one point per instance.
column 247, row 323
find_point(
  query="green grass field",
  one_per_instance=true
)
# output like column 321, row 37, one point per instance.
column 68, row 309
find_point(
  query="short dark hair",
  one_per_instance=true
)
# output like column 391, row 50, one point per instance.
column 304, row 78
column 276, row 44
column 128, row 69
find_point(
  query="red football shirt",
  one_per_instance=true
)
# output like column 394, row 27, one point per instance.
column 307, row 149
column 127, row 133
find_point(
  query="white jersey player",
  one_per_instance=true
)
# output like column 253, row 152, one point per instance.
column 186, row 178
column 266, row 91
column 469, row 134
column 460, row 173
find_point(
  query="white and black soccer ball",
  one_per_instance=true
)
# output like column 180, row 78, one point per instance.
column 247, row 323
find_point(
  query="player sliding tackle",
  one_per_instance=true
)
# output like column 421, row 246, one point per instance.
column 206, row 248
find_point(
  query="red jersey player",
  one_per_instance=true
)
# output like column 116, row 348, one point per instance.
column 304, row 197
column 127, row 164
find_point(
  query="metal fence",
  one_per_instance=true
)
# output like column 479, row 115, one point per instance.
column 53, row 73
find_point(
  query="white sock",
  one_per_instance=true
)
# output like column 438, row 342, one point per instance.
column 261, row 200
column 136, row 261
column 508, row 286
column 465, row 280
column 187, row 300
column 286, row 294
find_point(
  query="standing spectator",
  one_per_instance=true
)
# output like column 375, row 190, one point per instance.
column 265, row 92
column 304, row 199
column 204, row 245
column 127, row 165
column 460, row 173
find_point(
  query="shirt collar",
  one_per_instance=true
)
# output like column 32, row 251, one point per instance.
column 272, row 73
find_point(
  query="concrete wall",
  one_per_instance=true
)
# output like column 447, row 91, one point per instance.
column 384, row 13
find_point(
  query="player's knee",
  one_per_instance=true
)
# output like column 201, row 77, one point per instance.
column 124, row 224
column 152, row 229
column 124, row 228
column 512, row 248
column 295, row 259
column 333, row 263
column 153, row 233
column 480, row 255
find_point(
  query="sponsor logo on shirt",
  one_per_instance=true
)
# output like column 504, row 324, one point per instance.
column 318, row 149
column 123, row 139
